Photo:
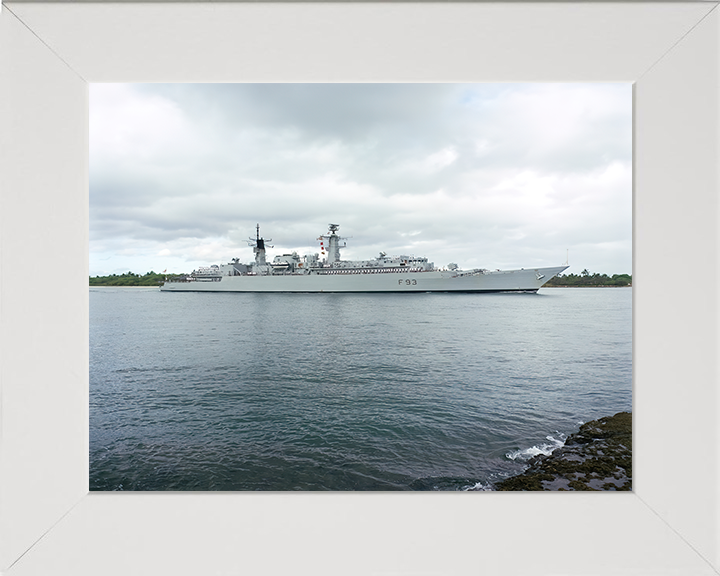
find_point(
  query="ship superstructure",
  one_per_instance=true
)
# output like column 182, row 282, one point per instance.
column 311, row 273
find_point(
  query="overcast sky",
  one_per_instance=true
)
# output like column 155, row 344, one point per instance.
column 483, row 175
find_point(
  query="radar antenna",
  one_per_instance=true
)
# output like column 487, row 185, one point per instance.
column 258, row 242
column 333, row 247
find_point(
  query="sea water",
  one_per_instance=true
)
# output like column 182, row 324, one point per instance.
column 232, row 391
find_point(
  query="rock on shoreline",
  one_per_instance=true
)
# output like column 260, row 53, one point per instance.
column 597, row 457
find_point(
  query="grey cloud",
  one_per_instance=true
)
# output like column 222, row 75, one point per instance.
column 342, row 111
column 295, row 157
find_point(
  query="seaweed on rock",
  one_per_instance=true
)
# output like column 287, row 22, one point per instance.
column 597, row 457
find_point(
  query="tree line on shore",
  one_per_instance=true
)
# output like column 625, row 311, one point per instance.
column 130, row 279
column 585, row 278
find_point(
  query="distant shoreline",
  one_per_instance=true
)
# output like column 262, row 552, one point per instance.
column 583, row 280
column 587, row 280
column 92, row 285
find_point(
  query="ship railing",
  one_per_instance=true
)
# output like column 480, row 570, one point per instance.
column 474, row 272
column 393, row 270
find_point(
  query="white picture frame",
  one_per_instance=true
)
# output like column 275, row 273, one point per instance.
column 49, row 523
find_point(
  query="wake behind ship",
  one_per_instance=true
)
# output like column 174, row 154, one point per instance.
column 292, row 273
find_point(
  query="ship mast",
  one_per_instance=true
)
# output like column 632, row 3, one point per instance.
column 258, row 246
column 333, row 248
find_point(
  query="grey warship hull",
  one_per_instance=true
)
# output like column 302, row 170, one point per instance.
column 524, row 280
column 311, row 274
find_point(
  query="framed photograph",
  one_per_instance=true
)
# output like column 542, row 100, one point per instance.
column 421, row 344
column 49, row 520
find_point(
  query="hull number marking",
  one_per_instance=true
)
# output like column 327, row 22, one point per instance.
column 408, row 282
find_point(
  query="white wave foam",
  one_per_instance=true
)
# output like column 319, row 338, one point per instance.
column 546, row 448
column 479, row 487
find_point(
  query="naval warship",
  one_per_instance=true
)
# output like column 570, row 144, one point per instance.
column 310, row 273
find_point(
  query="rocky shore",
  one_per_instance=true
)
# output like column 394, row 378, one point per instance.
column 597, row 457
